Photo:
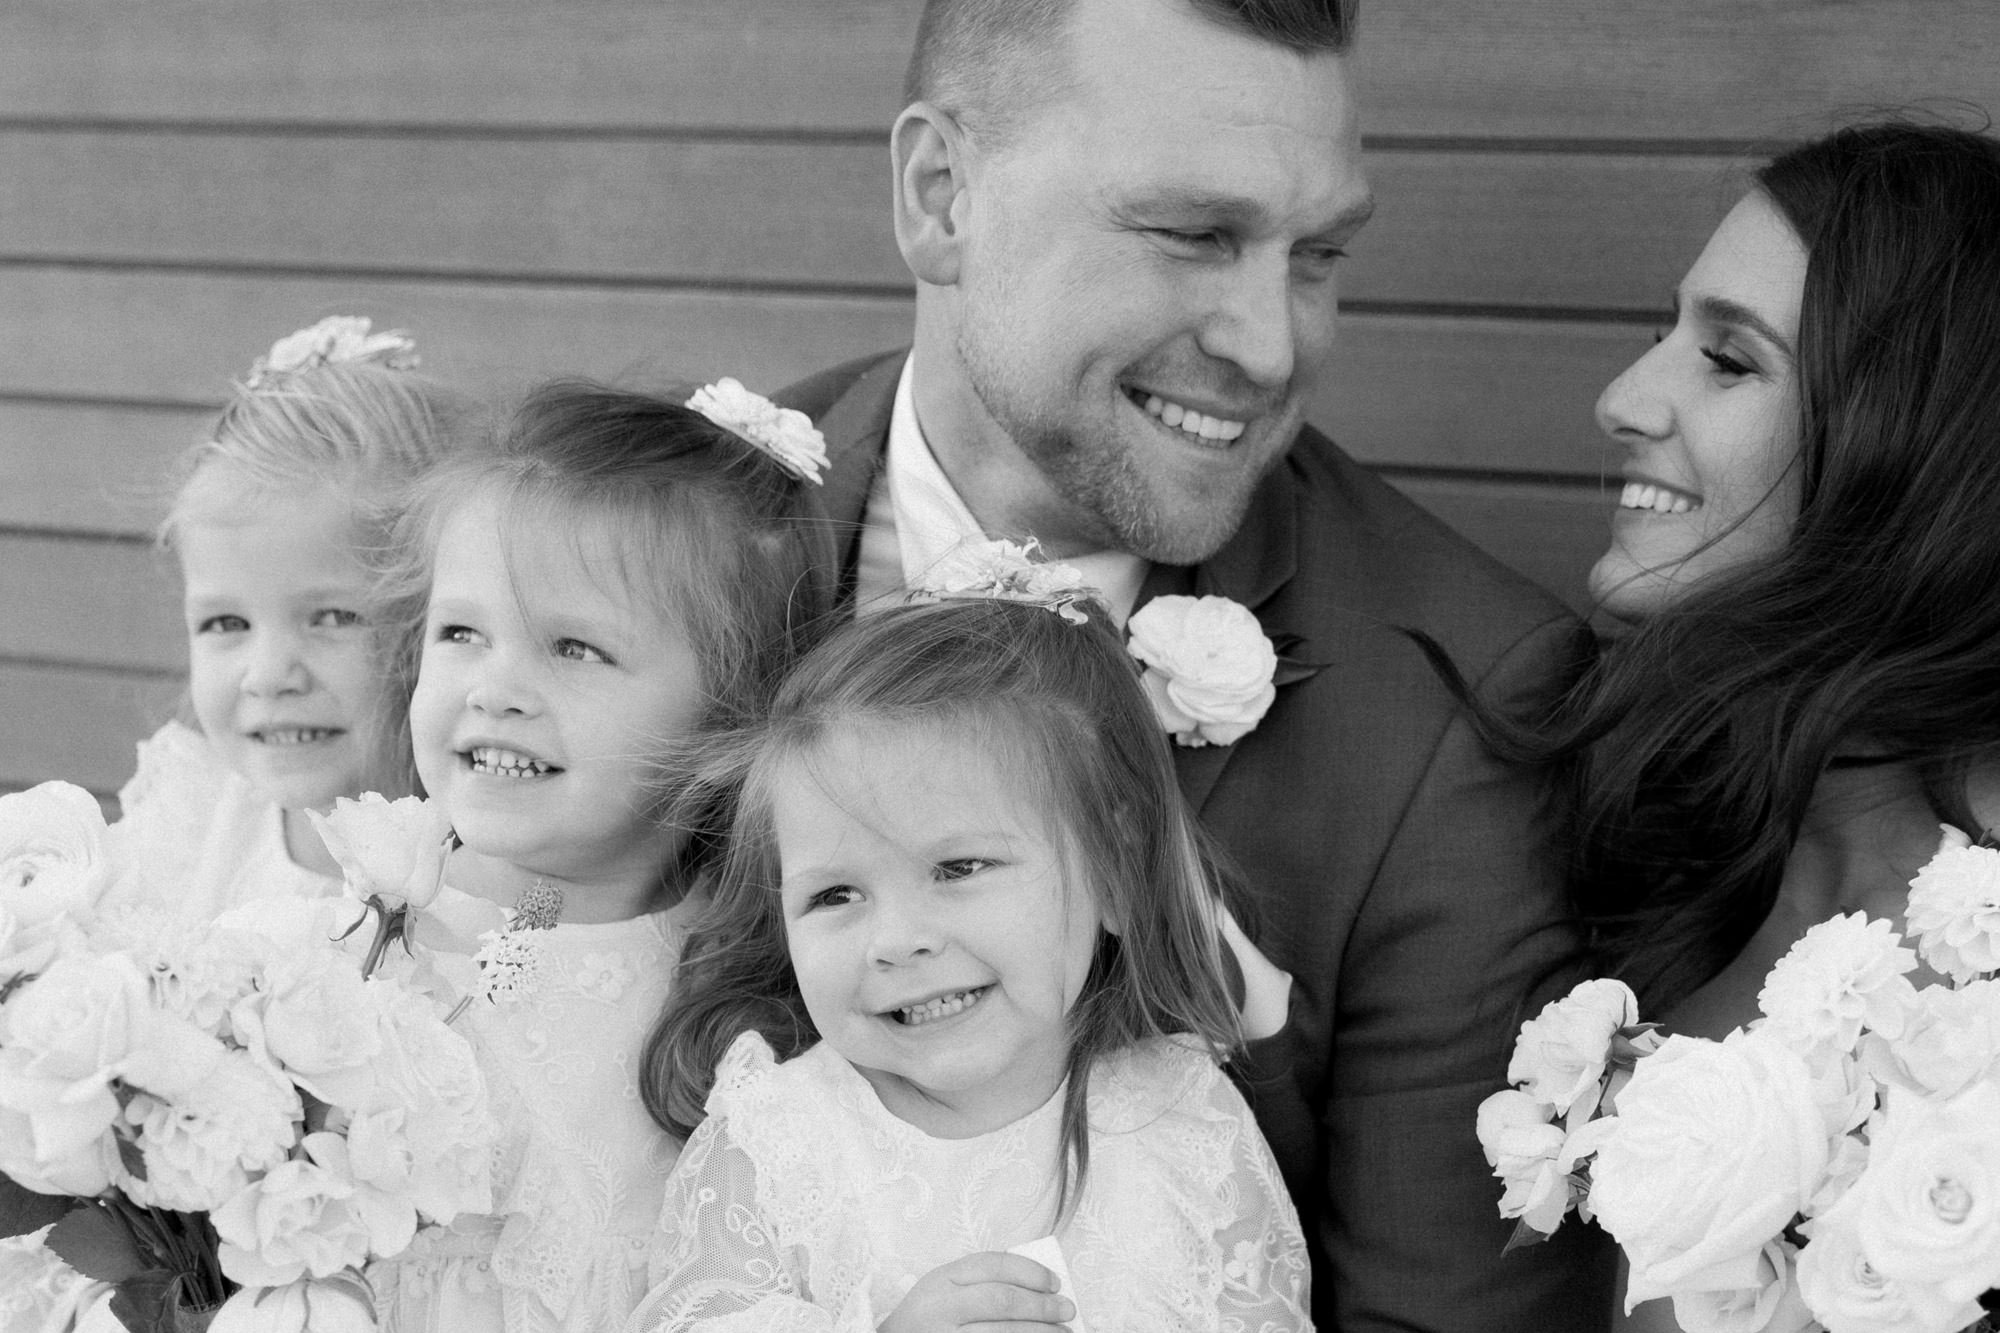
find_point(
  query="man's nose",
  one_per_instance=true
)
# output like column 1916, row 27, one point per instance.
column 1254, row 325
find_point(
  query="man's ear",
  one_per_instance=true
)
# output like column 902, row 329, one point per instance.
column 930, row 155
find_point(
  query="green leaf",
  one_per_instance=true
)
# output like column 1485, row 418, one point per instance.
column 1524, row 1236
column 130, row 1157
column 99, row 1246
column 142, row 1302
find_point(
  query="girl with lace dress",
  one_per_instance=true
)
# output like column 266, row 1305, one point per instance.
column 947, row 1038
column 618, row 574
column 275, row 524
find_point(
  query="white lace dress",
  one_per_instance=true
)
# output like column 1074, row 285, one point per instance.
column 200, row 839
column 802, row 1204
column 581, row 1168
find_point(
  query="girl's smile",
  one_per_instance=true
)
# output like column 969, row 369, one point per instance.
column 938, row 931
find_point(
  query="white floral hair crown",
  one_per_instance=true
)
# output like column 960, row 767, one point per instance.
column 1008, row 572
column 783, row 433
column 335, row 340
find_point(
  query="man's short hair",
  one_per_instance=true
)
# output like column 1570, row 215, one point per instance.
column 990, row 61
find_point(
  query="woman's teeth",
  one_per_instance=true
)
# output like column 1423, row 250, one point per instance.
column 500, row 763
column 1191, row 422
column 943, row 1007
column 1639, row 495
column 296, row 735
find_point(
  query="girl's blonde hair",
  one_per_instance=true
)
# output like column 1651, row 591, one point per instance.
column 363, row 430
column 1060, row 705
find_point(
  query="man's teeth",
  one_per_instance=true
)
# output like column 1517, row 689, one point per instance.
column 1192, row 422
column 942, row 1007
column 295, row 735
column 506, row 763
column 1638, row 495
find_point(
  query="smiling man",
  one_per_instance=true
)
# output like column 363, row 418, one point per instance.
column 1126, row 218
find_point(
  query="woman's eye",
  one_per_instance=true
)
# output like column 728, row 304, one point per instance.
column 335, row 617
column 1726, row 363
column 223, row 624
column 576, row 650
column 962, row 867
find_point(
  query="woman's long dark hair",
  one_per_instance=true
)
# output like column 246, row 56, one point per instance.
column 1697, row 743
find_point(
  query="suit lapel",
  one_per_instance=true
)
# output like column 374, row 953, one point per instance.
column 1250, row 568
column 856, row 428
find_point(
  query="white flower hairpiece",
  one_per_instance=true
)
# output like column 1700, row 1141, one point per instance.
column 1008, row 572
column 335, row 340
column 783, row 433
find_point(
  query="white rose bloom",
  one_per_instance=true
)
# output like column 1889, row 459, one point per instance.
column 1954, row 908
column 1848, row 1294
column 1208, row 667
column 392, row 850
column 428, row 1075
column 1953, row 1038
column 1560, row 1055
column 38, row 1291
column 308, row 1306
column 203, row 1147
column 52, row 859
column 69, row 1033
column 1522, row 1147
column 1927, row 1206
column 299, row 1221
column 319, row 1022
column 1715, row 1147
column 1772, row 1304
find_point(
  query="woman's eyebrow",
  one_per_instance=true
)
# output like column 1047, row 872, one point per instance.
column 1722, row 310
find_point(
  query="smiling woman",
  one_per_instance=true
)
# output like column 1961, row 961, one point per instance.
column 1807, row 544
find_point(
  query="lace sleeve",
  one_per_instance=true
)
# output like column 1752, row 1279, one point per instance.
column 1265, row 1275
column 715, row 1265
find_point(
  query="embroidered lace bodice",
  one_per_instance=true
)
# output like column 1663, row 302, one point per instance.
column 802, row 1205
column 200, row 839
column 581, row 1167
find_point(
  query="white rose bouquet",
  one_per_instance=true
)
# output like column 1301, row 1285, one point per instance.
column 249, row 1111
column 1833, row 1166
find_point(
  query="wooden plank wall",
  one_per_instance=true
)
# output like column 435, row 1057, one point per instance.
column 635, row 187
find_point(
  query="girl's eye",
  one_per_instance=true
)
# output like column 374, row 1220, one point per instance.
column 335, row 617
column 839, row 895
column 1726, row 363
column 223, row 624
column 455, row 634
column 962, row 867
column 576, row 650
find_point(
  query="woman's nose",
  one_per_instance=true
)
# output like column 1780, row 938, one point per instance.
column 1636, row 404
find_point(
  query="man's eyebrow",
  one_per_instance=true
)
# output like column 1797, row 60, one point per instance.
column 1194, row 200
column 1722, row 310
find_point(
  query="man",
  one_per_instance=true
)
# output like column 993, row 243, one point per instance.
column 1125, row 219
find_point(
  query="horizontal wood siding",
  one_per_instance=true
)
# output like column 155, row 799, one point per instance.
column 663, row 193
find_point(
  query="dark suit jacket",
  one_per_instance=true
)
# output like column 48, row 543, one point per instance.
column 1398, row 871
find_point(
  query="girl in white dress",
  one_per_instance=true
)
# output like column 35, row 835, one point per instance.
column 275, row 523
column 963, row 994
column 619, row 574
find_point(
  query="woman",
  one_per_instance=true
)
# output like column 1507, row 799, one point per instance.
column 1808, row 547
column 1808, row 544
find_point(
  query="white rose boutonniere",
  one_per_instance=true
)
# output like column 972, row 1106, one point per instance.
column 785, row 434
column 1208, row 667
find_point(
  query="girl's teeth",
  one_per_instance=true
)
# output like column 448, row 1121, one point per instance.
column 297, row 735
column 942, row 1007
column 1192, row 422
column 1639, row 495
column 507, row 763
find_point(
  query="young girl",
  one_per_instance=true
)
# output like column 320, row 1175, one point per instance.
column 961, row 862
column 276, row 522
column 621, row 573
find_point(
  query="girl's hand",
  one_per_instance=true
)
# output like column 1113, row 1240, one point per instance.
column 991, row 1291
column 1267, row 988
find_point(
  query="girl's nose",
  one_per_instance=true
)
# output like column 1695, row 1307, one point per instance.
column 275, row 667
column 1636, row 405
column 500, row 691
column 904, row 931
